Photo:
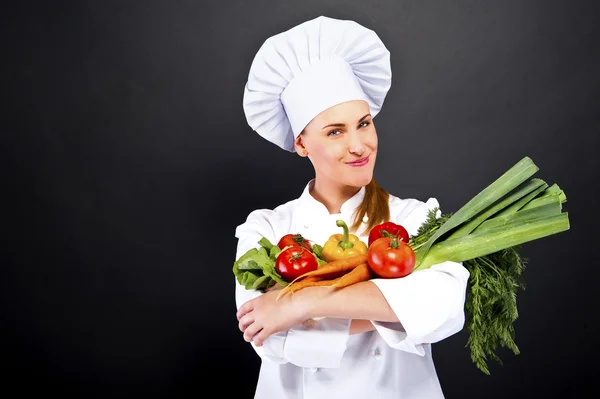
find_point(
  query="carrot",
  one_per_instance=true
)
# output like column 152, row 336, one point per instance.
column 334, row 268
column 360, row 273
column 307, row 282
column 329, row 273
column 310, row 282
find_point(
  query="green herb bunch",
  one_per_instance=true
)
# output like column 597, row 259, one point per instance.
column 491, row 301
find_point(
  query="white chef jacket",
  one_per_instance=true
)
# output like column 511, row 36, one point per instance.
column 324, row 361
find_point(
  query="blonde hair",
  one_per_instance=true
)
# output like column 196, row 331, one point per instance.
column 375, row 205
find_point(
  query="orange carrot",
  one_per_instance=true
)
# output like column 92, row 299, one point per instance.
column 360, row 273
column 308, row 282
column 329, row 273
column 334, row 268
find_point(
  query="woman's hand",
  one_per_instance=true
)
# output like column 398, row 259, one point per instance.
column 265, row 315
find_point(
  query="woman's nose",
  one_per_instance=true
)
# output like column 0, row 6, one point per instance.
column 355, row 144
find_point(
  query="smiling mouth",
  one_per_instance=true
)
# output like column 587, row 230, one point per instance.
column 359, row 162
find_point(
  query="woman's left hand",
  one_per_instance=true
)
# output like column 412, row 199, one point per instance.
column 265, row 315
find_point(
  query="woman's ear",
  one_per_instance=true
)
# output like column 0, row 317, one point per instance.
column 299, row 146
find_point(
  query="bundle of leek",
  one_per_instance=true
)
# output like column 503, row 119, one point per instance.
column 486, row 235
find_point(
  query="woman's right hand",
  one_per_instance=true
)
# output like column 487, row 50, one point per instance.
column 266, row 315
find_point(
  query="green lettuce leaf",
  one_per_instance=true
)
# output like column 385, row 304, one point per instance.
column 256, row 268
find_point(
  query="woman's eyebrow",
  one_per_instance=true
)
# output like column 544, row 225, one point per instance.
column 343, row 124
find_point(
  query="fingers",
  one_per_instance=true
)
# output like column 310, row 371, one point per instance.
column 251, row 331
column 245, row 321
column 260, row 337
column 245, row 308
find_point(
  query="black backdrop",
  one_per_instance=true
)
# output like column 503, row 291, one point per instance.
column 128, row 163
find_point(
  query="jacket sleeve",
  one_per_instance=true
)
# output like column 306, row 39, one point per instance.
column 321, row 344
column 428, row 303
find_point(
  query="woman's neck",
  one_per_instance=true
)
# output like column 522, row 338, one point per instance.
column 332, row 195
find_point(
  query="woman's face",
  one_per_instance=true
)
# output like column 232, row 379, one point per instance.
column 341, row 143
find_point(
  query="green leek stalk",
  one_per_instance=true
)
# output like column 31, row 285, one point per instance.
column 503, row 185
column 530, row 187
column 507, row 190
column 519, row 231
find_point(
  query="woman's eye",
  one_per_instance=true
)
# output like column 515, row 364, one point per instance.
column 364, row 124
column 333, row 133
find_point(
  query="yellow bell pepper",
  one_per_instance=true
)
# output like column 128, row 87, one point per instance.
column 342, row 245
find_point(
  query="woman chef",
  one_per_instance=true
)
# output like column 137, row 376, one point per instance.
column 314, row 90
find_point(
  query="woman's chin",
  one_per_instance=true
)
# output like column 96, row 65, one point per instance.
column 360, row 181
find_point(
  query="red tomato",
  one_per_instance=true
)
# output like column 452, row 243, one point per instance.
column 391, row 258
column 294, row 262
column 394, row 229
column 293, row 239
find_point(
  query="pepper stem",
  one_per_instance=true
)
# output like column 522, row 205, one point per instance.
column 345, row 243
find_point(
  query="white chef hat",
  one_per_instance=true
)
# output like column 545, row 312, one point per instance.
column 313, row 66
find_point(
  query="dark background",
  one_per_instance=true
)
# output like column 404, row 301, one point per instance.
column 127, row 164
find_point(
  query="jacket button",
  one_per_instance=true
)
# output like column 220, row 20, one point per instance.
column 307, row 225
column 365, row 219
column 376, row 352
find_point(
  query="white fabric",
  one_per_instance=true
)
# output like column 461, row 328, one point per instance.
column 297, row 74
column 324, row 85
column 395, row 360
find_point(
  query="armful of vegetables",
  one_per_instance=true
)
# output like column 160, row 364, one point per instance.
column 486, row 235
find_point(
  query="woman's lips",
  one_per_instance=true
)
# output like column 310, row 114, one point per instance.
column 359, row 162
